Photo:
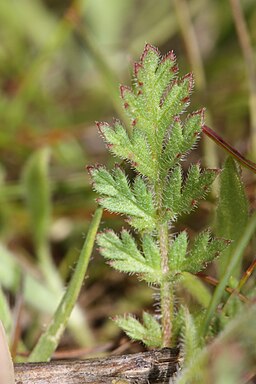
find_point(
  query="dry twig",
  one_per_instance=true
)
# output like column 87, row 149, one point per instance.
column 142, row 368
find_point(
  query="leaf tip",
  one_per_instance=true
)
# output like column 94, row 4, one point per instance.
column 148, row 47
column 124, row 89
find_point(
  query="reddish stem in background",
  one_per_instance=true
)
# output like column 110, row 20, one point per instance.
column 242, row 282
column 211, row 280
column 232, row 151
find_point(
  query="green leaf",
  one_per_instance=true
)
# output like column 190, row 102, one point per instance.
column 37, row 192
column 175, row 102
column 177, row 252
column 119, row 197
column 125, row 256
column 196, row 186
column 173, row 149
column 237, row 255
column 149, row 332
column 183, row 137
column 241, row 332
column 183, row 199
column 35, row 178
column 172, row 194
column 190, row 341
column 157, row 96
column 204, row 250
column 232, row 211
column 135, row 149
column 196, row 288
column 166, row 72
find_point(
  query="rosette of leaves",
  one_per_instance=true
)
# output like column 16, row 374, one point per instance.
column 155, row 144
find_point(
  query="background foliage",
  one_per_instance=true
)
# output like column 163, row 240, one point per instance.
column 60, row 66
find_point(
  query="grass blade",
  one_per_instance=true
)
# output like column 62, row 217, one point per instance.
column 248, row 232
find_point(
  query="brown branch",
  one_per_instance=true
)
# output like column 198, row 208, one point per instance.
column 142, row 368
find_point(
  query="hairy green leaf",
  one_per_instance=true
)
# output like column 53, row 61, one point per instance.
column 135, row 149
column 190, row 341
column 119, row 197
column 232, row 211
column 157, row 96
column 149, row 332
column 124, row 255
column 175, row 102
column 196, row 186
column 204, row 250
column 177, row 252
column 183, row 199
column 172, row 194
column 183, row 137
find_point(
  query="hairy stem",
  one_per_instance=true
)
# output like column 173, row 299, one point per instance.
column 166, row 295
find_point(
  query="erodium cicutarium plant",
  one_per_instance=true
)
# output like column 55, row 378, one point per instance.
column 158, row 139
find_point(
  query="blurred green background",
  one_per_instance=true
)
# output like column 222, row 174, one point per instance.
column 61, row 63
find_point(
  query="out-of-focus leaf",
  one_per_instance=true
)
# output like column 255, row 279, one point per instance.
column 6, row 365
column 35, row 178
column 36, row 293
column 5, row 312
column 232, row 211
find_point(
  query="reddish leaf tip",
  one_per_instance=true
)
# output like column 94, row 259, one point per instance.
column 90, row 169
column 175, row 69
column 136, row 68
column 169, row 56
column 100, row 126
column 188, row 77
column 148, row 47
column 185, row 99
column 177, row 119
column 124, row 89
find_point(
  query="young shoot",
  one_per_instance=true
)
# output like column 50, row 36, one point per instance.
column 158, row 138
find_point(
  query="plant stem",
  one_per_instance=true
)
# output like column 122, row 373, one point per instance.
column 166, row 296
column 166, row 291
column 231, row 150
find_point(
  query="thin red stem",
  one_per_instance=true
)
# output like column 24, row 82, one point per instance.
column 231, row 150
column 211, row 280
